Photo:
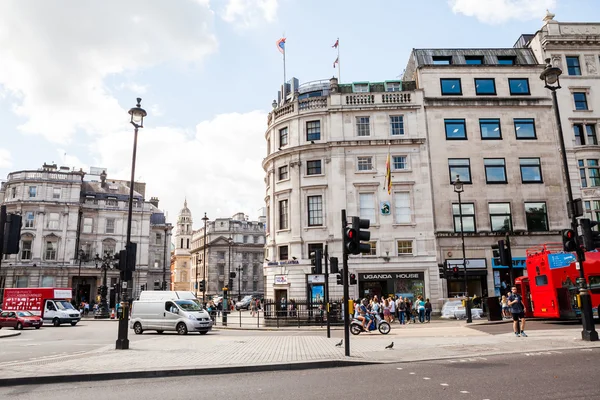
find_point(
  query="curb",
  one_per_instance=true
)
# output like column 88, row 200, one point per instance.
column 105, row 376
column 12, row 334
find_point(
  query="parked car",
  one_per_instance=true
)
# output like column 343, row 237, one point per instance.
column 243, row 304
column 19, row 320
column 455, row 309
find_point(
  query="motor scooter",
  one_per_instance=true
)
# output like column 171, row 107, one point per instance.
column 376, row 322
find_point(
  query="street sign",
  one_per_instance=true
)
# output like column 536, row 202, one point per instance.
column 124, row 284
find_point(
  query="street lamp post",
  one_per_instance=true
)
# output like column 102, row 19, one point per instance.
column 164, row 278
column 550, row 76
column 205, row 218
column 197, row 282
column 137, row 120
column 106, row 264
column 459, row 188
column 80, row 255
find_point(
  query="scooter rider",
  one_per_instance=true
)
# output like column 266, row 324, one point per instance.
column 364, row 313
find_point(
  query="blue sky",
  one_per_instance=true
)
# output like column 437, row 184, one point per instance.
column 207, row 71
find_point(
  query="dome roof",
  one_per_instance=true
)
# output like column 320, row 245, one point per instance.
column 185, row 211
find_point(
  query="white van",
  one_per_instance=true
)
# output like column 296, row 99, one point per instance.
column 182, row 316
column 169, row 295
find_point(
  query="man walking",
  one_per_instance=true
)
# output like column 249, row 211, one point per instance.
column 517, row 309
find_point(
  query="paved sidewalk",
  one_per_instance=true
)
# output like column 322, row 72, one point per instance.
column 167, row 355
column 7, row 332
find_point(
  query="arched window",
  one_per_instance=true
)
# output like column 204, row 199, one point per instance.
column 181, row 246
column 109, row 247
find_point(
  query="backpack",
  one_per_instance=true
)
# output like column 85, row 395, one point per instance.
column 402, row 306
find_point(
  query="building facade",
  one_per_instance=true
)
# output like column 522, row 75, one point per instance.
column 181, row 256
column 327, row 148
column 230, row 245
column 489, row 120
column 575, row 49
column 68, row 222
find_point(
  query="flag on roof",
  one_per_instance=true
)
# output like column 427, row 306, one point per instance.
column 281, row 45
column 337, row 60
column 336, row 44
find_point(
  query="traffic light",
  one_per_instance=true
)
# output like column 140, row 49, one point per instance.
column 340, row 277
column 12, row 234
column 442, row 269
column 591, row 238
column 501, row 251
column 316, row 260
column 353, row 279
column 232, row 275
column 334, row 266
column 122, row 265
column 353, row 237
column 131, row 256
column 569, row 240
column 203, row 285
column 455, row 271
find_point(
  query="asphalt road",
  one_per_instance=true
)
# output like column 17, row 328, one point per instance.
column 545, row 375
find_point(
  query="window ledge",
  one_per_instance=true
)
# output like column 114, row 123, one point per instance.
column 313, row 175
column 584, row 111
column 396, row 224
column 283, row 230
column 401, row 171
column 315, row 227
column 371, row 171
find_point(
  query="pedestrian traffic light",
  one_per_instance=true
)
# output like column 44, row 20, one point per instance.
column 232, row 275
column 569, row 240
column 501, row 252
column 316, row 260
column 340, row 277
column 334, row 266
column 455, row 271
column 442, row 269
column 591, row 237
column 12, row 234
column 353, row 279
column 203, row 285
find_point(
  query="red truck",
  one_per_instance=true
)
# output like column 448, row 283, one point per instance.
column 550, row 288
column 52, row 304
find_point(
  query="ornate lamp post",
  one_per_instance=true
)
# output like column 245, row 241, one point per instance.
column 459, row 188
column 80, row 255
column 205, row 218
column 550, row 76
column 137, row 120
column 239, row 270
column 106, row 263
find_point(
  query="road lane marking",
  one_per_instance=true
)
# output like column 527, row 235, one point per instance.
column 444, row 384
column 425, row 378
column 464, row 391
column 398, row 368
column 412, row 373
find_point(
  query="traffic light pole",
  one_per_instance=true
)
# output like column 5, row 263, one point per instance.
column 327, row 290
column 346, row 298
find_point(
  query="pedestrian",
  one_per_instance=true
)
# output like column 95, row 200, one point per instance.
column 392, row 308
column 504, row 303
column 86, row 308
column 427, row 311
column 402, row 311
column 386, row 310
column 408, row 310
column 517, row 309
column 252, row 307
column 420, row 307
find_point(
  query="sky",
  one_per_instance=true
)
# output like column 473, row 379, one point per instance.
column 207, row 72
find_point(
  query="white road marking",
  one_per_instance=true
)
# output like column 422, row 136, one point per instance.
column 464, row 391
column 425, row 378
column 444, row 384
column 398, row 368
column 412, row 373
column 586, row 350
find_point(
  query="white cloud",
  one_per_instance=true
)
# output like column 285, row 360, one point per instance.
column 500, row 11
column 250, row 13
column 133, row 87
column 5, row 158
column 217, row 167
column 55, row 59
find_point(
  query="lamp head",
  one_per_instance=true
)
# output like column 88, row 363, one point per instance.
column 137, row 114
column 458, row 185
column 550, row 75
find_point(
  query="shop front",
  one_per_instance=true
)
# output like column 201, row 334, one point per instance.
column 502, row 281
column 476, row 277
column 405, row 284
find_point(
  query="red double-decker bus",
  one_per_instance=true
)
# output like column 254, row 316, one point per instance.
column 550, row 288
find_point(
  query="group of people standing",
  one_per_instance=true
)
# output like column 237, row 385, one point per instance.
column 404, row 310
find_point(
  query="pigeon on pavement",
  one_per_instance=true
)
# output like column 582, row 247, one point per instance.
column 390, row 346
column 340, row 343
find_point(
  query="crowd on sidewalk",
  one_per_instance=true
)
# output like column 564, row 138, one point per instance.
column 396, row 308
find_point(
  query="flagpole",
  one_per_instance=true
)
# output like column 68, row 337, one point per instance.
column 339, row 64
column 284, row 80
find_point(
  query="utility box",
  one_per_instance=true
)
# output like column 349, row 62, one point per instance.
column 494, row 310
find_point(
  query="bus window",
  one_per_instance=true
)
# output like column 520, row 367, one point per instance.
column 541, row 280
column 594, row 282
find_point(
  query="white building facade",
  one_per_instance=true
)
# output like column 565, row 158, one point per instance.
column 327, row 148
column 575, row 49
column 68, row 220
column 490, row 121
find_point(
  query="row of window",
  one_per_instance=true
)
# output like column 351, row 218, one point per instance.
column 475, row 60
column 363, row 128
column 403, row 247
column 484, row 86
column 490, row 128
column 33, row 192
column 574, row 65
column 536, row 216
column 53, row 222
column 495, row 170
column 589, row 172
